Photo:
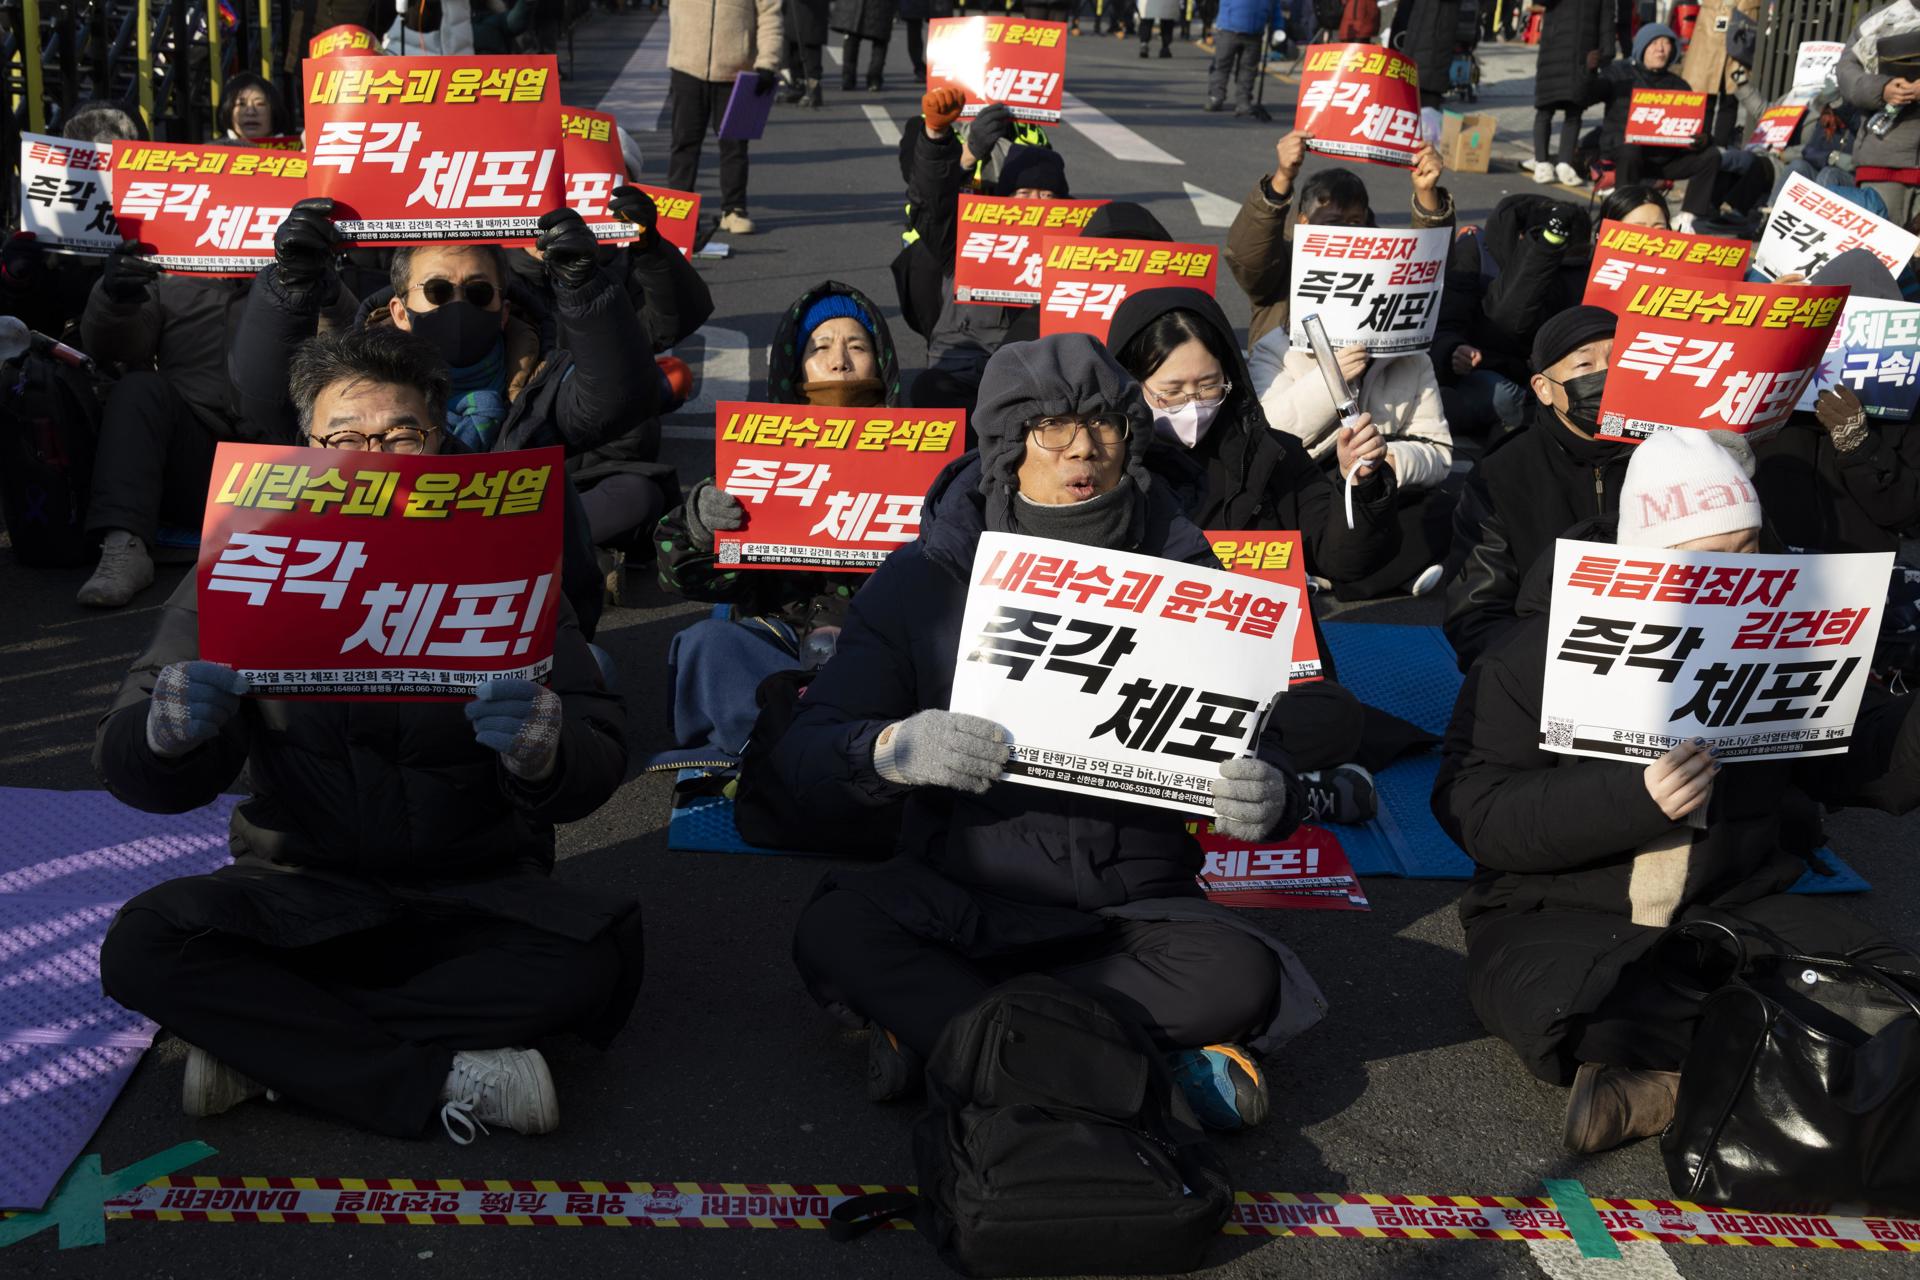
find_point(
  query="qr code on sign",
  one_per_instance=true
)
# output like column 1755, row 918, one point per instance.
column 1559, row 733
column 729, row 553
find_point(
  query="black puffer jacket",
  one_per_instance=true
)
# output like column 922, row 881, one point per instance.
column 1428, row 31
column 1819, row 499
column 807, row 21
column 1507, row 281
column 871, row 19
column 1571, row 30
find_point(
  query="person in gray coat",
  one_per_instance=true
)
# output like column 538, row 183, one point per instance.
column 1880, row 73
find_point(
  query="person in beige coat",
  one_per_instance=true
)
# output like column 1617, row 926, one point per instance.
column 1711, row 70
column 712, row 42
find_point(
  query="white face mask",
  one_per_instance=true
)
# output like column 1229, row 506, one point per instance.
column 1187, row 423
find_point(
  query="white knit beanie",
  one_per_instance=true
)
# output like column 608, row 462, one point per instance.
column 1681, row 485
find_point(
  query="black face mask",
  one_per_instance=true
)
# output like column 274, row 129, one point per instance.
column 462, row 333
column 1583, row 399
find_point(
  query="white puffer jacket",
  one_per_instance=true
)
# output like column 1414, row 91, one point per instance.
column 1399, row 391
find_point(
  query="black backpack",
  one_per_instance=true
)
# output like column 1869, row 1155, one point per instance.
column 1056, row 1143
column 49, row 424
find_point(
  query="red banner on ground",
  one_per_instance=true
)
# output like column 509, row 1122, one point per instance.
column 1626, row 257
column 343, row 39
column 996, row 256
column 424, row 150
column 1360, row 101
column 373, row 575
column 204, row 210
column 1665, row 117
column 828, row 488
column 1714, row 354
column 1307, row 870
column 1276, row 556
column 1084, row 281
column 590, row 150
column 1776, row 127
column 1010, row 60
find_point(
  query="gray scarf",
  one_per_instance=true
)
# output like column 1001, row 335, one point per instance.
column 1105, row 522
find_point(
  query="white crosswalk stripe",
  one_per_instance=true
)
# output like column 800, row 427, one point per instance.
column 1212, row 210
column 1110, row 135
column 882, row 124
column 638, row 96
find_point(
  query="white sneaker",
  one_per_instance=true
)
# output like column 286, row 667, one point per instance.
column 1568, row 175
column 735, row 222
column 1542, row 171
column 1683, row 223
column 210, row 1086
column 1426, row 581
column 507, row 1087
column 125, row 570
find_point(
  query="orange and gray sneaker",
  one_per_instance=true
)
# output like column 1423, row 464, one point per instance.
column 1223, row 1084
column 893, row 1070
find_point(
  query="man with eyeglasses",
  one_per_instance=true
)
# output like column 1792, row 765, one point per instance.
column 388, row 934
column 994, row 879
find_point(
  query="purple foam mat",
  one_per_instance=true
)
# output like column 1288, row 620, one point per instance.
column 68, row 859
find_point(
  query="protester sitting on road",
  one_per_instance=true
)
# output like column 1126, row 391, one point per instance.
column 995, row 878
column 1260, row 242
column 1710, row 183
column 585, row 383
column 1535, row 482
column 1886, row 150
column 388, row 930
column 1637, row 205
column 250, row 109
column 960, row 335
column 1586, row 865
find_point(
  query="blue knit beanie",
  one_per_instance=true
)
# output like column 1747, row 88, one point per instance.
column 828, row 308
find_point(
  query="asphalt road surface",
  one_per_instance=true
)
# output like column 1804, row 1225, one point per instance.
column 727, row 1071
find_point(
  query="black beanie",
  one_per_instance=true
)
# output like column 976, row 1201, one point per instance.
column 1124, row 220
column 1037, row 167
column 1574, row 327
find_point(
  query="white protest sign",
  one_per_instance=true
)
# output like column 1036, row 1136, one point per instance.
column 1120, row 675
column 1875, row 351
column 1811, row 226
column 1369, row 285
column 64, row 196
column 1813, row 66
column 1763, row 656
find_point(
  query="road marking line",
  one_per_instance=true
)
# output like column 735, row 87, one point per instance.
column 833, row 53
column 1562, row 1260
column 1212, row 210
column 723, row 372
column 882, row 124
column 1110, row 135
column 637, row 98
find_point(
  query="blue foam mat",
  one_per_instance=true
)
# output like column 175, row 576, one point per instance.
column 705, row 825
column 1410, row 672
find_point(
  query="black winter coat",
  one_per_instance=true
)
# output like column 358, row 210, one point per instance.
column 924, row 10
column 870, row 19
column 807, row 21
column 1428, row 31
column 1614, row 85
column 1531, row 487
column 1497, row 300
column 1819, row 499
column 1571, row 30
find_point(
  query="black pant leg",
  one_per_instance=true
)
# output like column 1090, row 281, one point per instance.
column 1186, row 983
column 621, row 504
column 1320, row 725
column 733, row 153
column 917, row 49
column 1249, row 51
column 153, row 462
column 687, row 129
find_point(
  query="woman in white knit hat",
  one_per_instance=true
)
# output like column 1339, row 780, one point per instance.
column 1584, row 864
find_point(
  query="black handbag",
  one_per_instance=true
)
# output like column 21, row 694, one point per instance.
column 1801, row 1087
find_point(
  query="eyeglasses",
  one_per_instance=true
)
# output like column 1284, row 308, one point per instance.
column 1209, row 395
column 440, row 292
column 400, row 440
column 1057, row 433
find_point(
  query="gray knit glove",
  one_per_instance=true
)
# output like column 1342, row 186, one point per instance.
column 710, row 508
column 192, row 702
column 521, row 721
column 1250, row 799
column 942, row 749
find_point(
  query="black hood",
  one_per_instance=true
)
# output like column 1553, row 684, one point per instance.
column 783, row 358
column 1124, row 220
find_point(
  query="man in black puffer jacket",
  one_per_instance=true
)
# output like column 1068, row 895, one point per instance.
column 389, row 930
column 997, row 878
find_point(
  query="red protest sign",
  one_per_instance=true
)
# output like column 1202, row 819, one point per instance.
column 343, row 39
column 679, row 216
column 996, row 256
column 1714, row 354
column 282, row 142
column 1360, row 101
column 1274, row 556
column 828, row 488
column 590, row 153
column 355, row 574
column 1665, row 117
column 423, row 150
column 1010, row 60
column 1776, row 127
column 1083, row 281
column 1307, row 870
column 1625, row 257
column 204, row 210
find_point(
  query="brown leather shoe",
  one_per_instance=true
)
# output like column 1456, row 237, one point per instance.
column 1611, row 1106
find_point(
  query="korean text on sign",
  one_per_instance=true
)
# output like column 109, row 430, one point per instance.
column 1369, row 285
column 1273, row 555
column 1776, row 127
column 590, row 153
column 1763, row 656
column 1118, row 674
column 1083, row 281
column 1009, row 60
column 1361, row 102
column 996, row 248
column 1874, row 352
column 64, row 199
column 828, row 488
column 205, row 210
column 1308, row 870
column 1665, row 117
column 420, row 150
column 1810, row 226
column 362, row 574
column 345, row 38
column 1703, row 353
column 1626, row 256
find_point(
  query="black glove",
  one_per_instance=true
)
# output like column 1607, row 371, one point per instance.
column 128, row 274
column 20, row 259
column 306, row 242
column 994, row 124
column 631, row 204
column 765, row 81
column 569, row 249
